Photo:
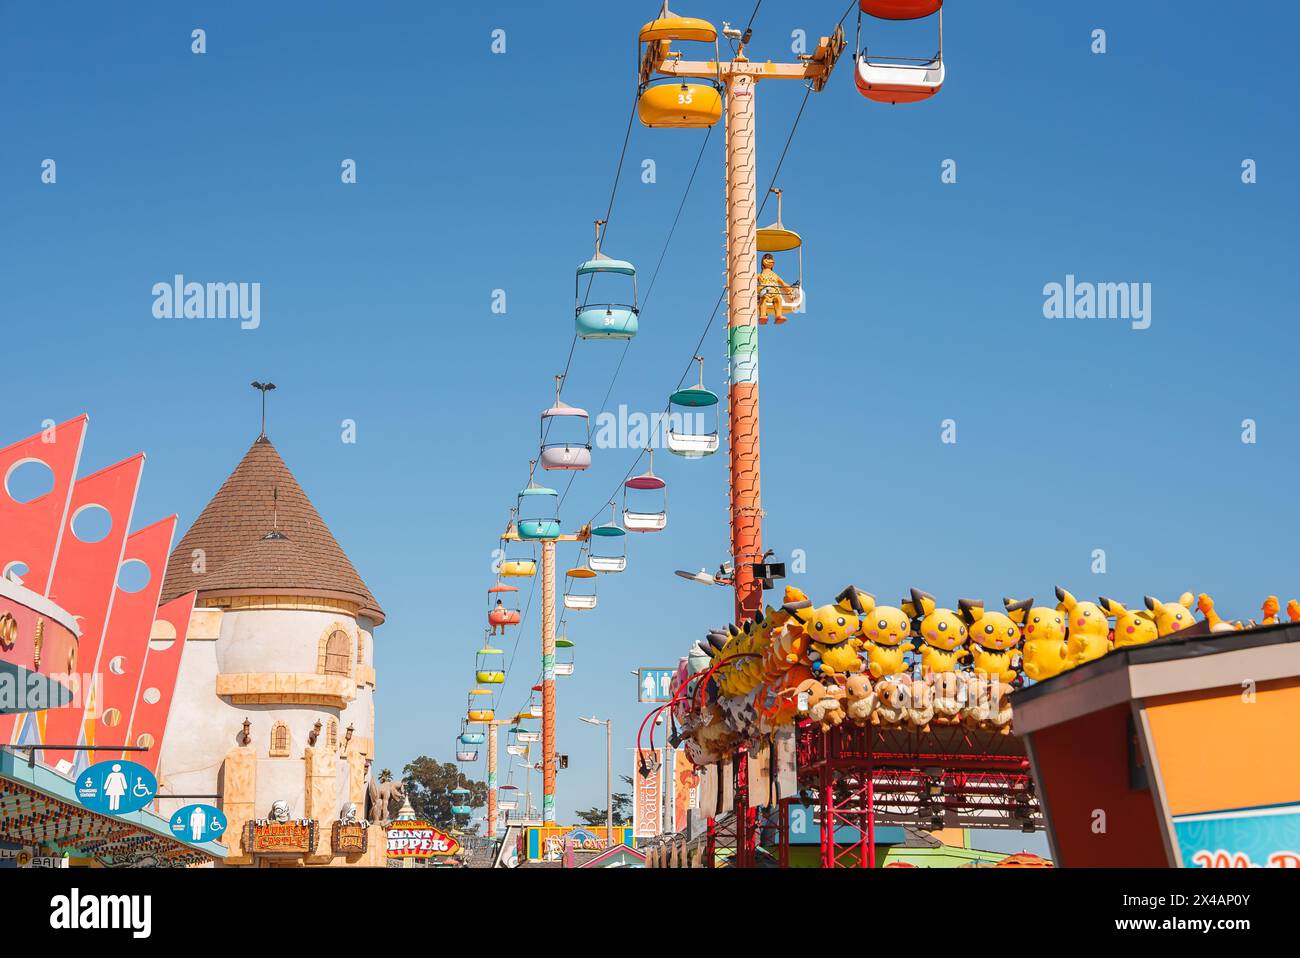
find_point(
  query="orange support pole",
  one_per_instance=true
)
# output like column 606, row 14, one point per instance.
column 548, row 682
column 742, row 341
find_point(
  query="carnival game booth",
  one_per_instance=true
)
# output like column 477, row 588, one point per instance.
column 90, row 677
column 39, row 811
column 882, row 715
column 1187, row 747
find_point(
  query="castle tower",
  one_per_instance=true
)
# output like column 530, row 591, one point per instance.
column 274, row 707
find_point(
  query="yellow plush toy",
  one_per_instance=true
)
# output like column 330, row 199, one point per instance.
column 833, row 631
column 993, row 640
column 1172, row 617
column 942, row 633
column 885, row 633
column 1087, row 634
column 1132, row 626
column 1044, row 628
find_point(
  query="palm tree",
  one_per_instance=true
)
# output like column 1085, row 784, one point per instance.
column 386, row 775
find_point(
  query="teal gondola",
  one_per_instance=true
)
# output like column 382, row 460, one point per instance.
column 595, row 318
column 693, row 443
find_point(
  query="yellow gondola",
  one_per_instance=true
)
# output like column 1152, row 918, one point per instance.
column 486, row 667
column 775, row 296
column 668, row 102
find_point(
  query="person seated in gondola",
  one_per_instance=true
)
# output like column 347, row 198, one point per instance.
column 770, row 290
column 498, row 619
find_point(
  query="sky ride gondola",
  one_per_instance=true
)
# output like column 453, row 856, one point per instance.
column 479, row 711
column 499, row 614
column 668, row 101
column 891, row 79
column 608, row 562
column 538, row 509
column 578, row 596
column 564, row 666
column 465, row 744
column 772, row 240
column 640, row 521
column 514, row 562
column 459, row 797
column 487, row 666
column 561, row 451
column 690, row 444
column 604, row 320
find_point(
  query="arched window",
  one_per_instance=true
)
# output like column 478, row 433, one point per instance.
column 338, row 653
column 279, row 740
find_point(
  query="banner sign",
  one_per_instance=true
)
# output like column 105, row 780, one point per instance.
column 648, row 800
column 686, row 790
column 1241, row 838
column 416, row 839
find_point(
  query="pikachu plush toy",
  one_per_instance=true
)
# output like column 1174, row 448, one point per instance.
column 994, row 640
column 885, row 631
column 941, row 631
column 833, row 632
column 1132, row 626
column 1087, row 635
column 1172, row 617
column 1044, row 629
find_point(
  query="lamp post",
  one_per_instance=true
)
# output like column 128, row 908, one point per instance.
column 609, row 775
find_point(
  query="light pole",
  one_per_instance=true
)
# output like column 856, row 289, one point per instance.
column 609, row 775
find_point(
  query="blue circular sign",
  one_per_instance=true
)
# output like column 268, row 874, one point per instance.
column 116, row 787
column 198, row 823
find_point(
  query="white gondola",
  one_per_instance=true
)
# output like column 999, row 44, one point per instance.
column 693, row 400
column 636, row 520
column 565, row 435
column 899, row 79
column 529, row 737
column 611, row 562
column 578, row 597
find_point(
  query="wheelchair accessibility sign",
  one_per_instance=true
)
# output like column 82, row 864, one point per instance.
column 116, row 787
column 198, row 823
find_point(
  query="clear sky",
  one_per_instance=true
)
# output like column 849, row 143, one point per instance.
column 479, row 171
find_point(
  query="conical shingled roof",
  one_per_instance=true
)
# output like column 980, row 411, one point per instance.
column 259, row 497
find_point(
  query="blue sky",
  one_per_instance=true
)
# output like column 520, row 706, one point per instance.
column 479, row 172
